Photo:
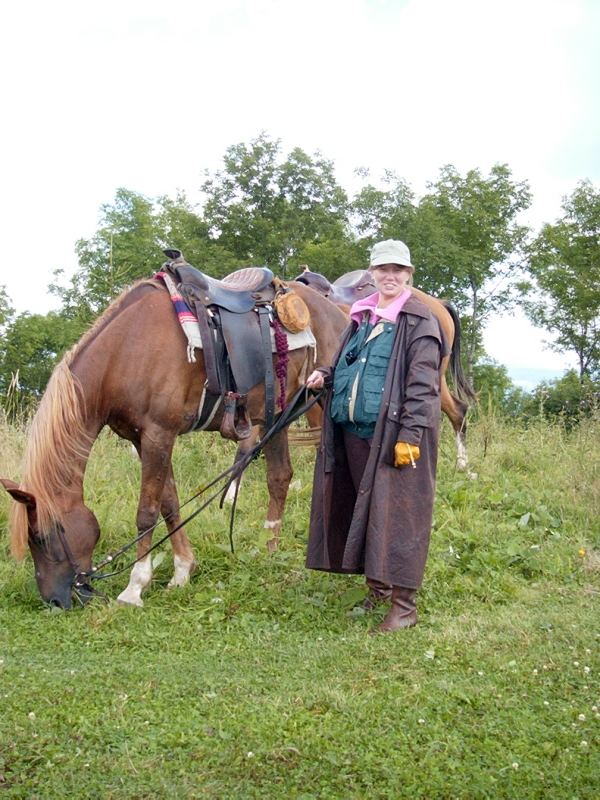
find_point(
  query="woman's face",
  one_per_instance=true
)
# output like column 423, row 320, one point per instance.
column 390, row 280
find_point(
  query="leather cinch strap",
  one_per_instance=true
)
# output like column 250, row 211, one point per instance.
column 265, row 330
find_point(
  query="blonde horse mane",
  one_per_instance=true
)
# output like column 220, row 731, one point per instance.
column 58, row 443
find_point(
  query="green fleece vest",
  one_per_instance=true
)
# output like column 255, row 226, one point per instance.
column 359, row 377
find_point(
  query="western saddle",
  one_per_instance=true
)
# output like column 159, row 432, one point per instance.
column 234, row 317
column 345, row 290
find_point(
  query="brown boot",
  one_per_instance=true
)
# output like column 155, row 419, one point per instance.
column 378, row 593
column 403, row 612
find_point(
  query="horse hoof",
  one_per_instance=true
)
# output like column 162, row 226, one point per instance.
column 128, row 600
column 272, row 546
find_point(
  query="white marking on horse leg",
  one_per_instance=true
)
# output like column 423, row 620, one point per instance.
column 462, row 460
column 275, row 526
column 461, row 452
column 182, row 572
column 230, row 494
column 141, row 575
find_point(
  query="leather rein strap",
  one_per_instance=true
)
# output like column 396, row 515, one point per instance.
column 300, row 403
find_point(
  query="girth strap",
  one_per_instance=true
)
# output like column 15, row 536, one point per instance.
column 265, row 330
column 211, row 349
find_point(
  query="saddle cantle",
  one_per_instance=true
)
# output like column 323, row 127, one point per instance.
column 234, row 320
column 238, row 292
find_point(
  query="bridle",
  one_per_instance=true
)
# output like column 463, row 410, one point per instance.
column 79, row 583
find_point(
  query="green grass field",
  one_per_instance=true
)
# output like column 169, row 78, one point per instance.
column 259, row 680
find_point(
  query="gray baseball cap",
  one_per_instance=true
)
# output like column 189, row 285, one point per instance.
column 390, row 251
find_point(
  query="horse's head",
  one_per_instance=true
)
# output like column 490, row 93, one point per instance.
column 61, row 549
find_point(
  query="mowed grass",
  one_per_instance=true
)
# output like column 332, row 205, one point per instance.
column 259, row 679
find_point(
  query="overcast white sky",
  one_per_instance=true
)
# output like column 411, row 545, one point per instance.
column 145, row 94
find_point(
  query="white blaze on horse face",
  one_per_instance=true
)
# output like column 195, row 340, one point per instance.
column 183, row 570
column 141, row 575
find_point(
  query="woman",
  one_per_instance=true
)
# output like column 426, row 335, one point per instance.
column 374, row 480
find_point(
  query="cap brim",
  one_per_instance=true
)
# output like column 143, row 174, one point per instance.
column 379, row 262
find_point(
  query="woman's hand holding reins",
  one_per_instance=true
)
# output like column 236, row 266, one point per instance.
column 315, row 380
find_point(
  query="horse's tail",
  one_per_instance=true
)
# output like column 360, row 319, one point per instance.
column 462, row 387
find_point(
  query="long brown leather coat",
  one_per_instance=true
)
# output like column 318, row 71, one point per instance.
column 384, row 531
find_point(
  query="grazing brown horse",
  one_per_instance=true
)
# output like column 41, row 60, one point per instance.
column 357, row 284
column 130, row 372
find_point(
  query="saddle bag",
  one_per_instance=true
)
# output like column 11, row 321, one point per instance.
column 292, row 311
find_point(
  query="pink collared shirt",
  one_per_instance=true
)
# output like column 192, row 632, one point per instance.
column 370, row 304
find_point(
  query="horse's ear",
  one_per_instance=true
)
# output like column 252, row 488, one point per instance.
column 20, row 495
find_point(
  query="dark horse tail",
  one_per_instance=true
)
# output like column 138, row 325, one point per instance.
column 462, row 387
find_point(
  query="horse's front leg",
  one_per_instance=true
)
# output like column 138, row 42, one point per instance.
column 279, row 475
column 155, row 451
column 184, row 562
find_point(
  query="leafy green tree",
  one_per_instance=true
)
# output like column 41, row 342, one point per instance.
column 124, row 249
column 264, row 208
column 379, row 213
column 564, row 264
column 471, row 241
column 31, row 346
column 464, row 237
column 179, row 226
column 6, row 309
column 496, row 390
column 569, row 398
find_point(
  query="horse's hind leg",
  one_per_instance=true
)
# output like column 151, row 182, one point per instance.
column 456, row 411
column 184, row 562
column 244, row 448
column 155, row 448
column 279, row 475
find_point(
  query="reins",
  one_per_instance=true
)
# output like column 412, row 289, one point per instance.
column 300, row 403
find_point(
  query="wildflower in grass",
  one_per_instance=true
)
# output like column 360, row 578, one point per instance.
column 582, row 551
column 249, row 754
column 546, row 703
column 535, row 672
column 31, row 715
column 576, row 663
column 586, row 670
column 515, row 765
column 421, row 721
column 583, row 743
column 581, row 718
